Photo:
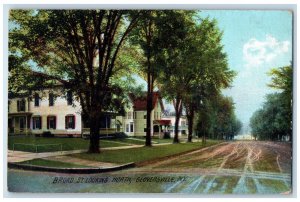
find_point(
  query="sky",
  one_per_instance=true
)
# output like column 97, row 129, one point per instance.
column 255, row 42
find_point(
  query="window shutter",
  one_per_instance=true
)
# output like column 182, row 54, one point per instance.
column 18, row 105
column 41, row 123
column 47, row 122
column 33, row 123
column 28, row 122
column 66, row 122
column 55, row 122
column 74, row 122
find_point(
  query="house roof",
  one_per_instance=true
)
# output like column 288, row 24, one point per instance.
column 163, row 122
column 140, row 103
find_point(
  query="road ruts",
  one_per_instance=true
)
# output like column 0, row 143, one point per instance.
column 246, row 161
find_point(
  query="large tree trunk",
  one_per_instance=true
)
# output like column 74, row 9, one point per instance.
column 190, row 117
column 178, row 110
column 148, row 122
column 176, row 139
column 149, row 84
column 94, row 124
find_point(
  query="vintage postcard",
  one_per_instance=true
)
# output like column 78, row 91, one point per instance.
column 150, row 101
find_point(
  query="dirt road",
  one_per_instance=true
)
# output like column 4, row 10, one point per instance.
column 232, row 167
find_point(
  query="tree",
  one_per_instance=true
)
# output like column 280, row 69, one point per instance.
column 282, row 79
column 174, row 58
column 274, row 119
column 146, row 32
column 78, row 48
column 156, row 31
column 197, row 68
column 217, row 118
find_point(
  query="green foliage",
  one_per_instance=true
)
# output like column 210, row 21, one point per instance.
column 282, row 78
column 217, row 119
column 274, row 119
column 195, row 66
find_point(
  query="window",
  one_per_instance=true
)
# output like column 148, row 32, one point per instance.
column 145, row 115
column 129, row 127
column 70, row 122
column 36, row 100
column 21, row 105
column 183, row 123
column 51, row 122
column 51, row 99
column 69, row 97
column 129, row 115
column 22, row 122
column 36, row 123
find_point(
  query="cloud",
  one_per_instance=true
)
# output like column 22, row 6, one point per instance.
column 257, row 52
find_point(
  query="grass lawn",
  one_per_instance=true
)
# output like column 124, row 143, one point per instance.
column 67, row 143
column 54, row 164
column 142, row 153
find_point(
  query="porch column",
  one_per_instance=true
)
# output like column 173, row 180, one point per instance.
column 26, row 125
column 13, row 124
column 159, row 131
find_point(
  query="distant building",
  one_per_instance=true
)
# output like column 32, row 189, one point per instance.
column 182, row 126
column 134, row 123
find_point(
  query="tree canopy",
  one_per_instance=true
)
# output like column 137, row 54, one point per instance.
column 196, row 68
column 274, row 120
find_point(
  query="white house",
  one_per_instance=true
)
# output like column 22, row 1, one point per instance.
column 44, row 111
column 182, row 126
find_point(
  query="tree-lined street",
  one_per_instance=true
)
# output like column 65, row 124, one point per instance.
column 164, row 91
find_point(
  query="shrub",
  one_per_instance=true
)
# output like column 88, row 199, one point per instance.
column 47, row 134
column 167, row 135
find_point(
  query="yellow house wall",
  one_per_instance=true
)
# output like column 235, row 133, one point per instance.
column 60, row 110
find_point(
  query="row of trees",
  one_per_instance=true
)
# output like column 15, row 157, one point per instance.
column 90, row 51
column 184, row 57
column 274, row 120
column 217, row 120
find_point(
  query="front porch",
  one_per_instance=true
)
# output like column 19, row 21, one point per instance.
column 19, row 123
column 160, row 127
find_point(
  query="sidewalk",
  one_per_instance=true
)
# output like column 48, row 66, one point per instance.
column 19, row 156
